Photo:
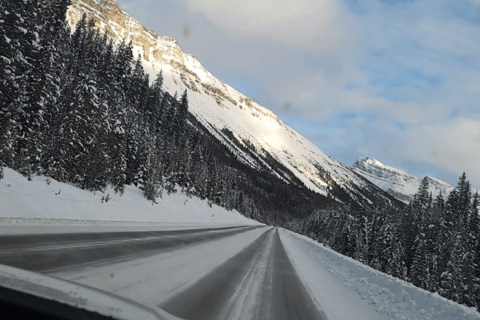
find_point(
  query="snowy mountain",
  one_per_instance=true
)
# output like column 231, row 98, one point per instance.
column 255, row 134
column 399, row 184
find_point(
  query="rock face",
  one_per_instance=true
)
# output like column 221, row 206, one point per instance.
column 115, row 23
column 399, row 184
column 255, row 134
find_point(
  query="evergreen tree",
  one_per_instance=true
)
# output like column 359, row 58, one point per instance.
column 420, row 271
column 474, row 282
column 361, row 236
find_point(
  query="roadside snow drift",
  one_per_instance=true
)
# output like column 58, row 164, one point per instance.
column 46, row 201
column 347, row 289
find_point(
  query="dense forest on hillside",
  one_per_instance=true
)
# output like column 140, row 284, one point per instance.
column 80, row 109
column 77, row 108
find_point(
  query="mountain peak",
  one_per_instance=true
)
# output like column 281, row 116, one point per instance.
column 108, row 3
column 108, row 6
column 399, row 184
column 369, row 161
column 374, row 161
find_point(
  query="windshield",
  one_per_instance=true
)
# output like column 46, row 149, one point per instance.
column 242, row 159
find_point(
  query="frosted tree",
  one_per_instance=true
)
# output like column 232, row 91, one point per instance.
column 420, row 271
column 474, row 283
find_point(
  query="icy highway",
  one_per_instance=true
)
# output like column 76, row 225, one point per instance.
column 216, row 273
column 226, row 272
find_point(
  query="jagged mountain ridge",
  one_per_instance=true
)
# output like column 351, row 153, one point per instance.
column 255, row 134
column 399, row 184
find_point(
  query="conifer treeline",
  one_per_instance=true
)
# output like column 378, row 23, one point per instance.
column 432, row 243
column 79, row 109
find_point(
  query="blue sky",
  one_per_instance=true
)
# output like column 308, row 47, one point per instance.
column 393, row 79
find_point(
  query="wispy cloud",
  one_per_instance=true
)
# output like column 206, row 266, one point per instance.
column 453, row 147
column 311, row 23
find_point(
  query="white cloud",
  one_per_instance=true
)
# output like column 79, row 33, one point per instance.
column 320, row 98
column 313, row 23
column 454, row 147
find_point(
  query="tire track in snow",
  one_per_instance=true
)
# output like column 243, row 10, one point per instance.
column 207, row 298
column 259, row 282
column 24, row 240
column 53, row 252
column 157, row 278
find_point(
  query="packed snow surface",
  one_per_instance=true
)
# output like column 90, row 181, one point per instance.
column 347, row 289
column 154, row 279
column 46, row 202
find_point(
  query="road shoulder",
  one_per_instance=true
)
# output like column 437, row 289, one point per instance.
column 332, row 296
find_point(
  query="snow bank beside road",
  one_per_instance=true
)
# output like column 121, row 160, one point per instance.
column 46, row 201
column 347, row 289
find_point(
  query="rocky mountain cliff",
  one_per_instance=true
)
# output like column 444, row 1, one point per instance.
column 399, row 184
column 256, row 135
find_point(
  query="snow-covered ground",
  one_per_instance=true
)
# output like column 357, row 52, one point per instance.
column 347, row 289
column 39, row 204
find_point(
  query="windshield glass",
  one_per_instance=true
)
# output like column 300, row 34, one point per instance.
column 243, row 159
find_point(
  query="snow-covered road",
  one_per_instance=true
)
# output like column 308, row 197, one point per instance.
column 237, row 272
column 218, row 273
column 259, row 282
column 50, row 253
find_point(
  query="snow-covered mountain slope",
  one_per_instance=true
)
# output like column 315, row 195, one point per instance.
column 399, row 184
column 256, row 135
